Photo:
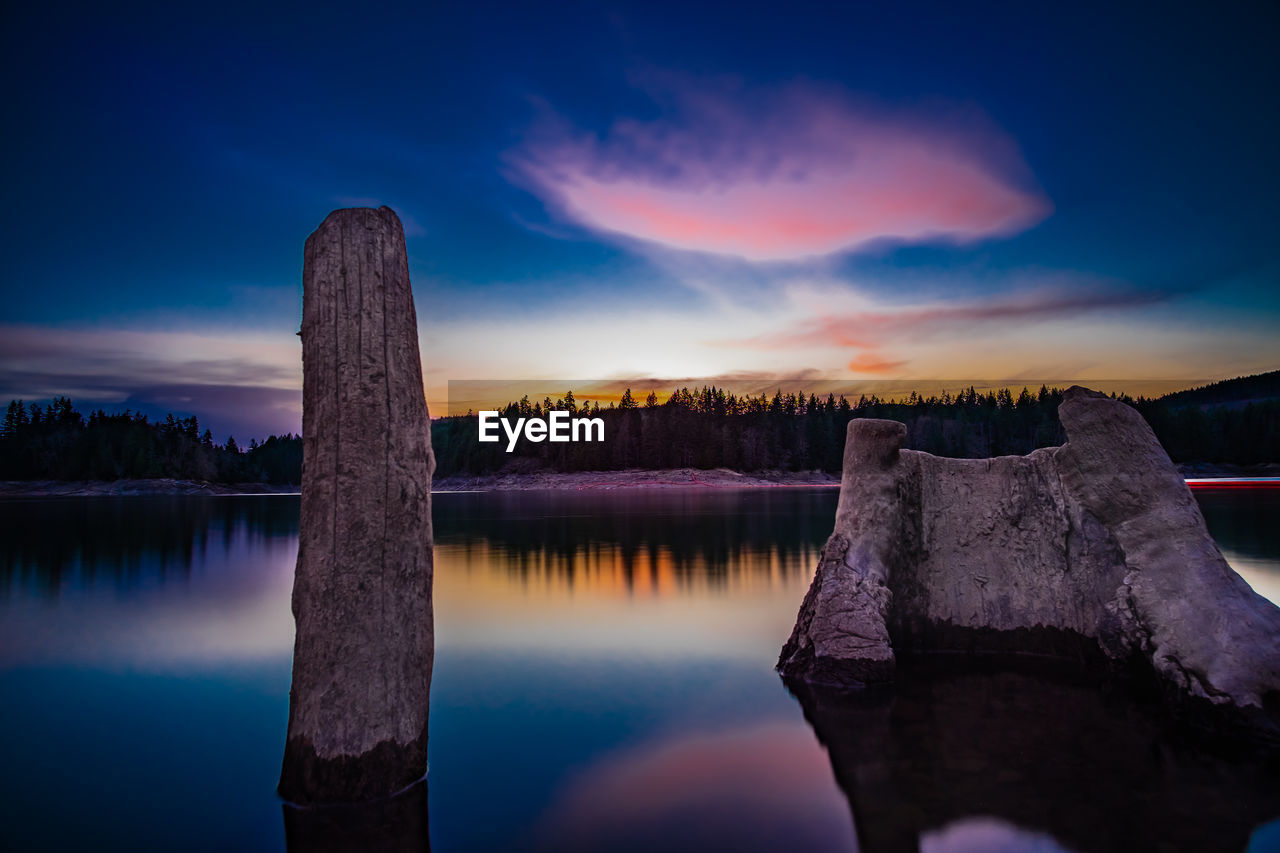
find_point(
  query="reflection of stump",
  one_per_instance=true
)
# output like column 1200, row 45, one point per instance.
column 398, row 824
column 1041, row 752
column 362, row 592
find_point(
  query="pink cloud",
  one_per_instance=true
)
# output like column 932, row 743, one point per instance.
column 782, row 175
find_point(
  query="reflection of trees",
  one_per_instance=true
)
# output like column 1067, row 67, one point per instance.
column 1243, row 520
column 1091, row 768
column 707, row 535
column 129, row 540
column 695, row 534
column 703, row 535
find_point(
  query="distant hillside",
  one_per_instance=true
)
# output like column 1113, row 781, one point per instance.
column 1236, row 421
column 1229, row 392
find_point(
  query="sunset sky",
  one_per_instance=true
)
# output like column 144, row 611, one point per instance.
column 748, row 194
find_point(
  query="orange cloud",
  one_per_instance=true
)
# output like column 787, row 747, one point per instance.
column 868, row 363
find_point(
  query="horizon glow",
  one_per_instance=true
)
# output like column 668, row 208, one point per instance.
column 783, row 196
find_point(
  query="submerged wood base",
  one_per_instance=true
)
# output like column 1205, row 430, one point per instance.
column 397, row 824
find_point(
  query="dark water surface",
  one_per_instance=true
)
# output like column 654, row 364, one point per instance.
column 603, row 682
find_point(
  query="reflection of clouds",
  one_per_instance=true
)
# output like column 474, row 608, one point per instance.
column 1260, row 573
column 766, row 786
column 987, row 835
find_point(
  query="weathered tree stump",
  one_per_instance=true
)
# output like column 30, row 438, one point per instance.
column 362, row 591
column 1095, row 550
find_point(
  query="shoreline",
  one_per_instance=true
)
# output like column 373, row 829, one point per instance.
column 635, row 478
column 679, row 478
column 134, row 488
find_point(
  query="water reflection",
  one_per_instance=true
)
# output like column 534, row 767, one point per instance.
column 1030, row 762
column 51, row 544
column 1246, row 525
column 150, row 583
column 754, row 787
column 675, row 574
column 603, row 680
column 642, row 542
column 628, row 542
column 987, row 835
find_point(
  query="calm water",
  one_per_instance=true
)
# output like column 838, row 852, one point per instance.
column 603, row 682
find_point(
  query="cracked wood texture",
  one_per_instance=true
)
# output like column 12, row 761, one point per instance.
column 362, row 589
column 1095, row 550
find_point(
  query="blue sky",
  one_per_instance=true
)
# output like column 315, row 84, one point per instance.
column 922, row 192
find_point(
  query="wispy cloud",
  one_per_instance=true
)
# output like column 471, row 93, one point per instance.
column 869, row 329
column 781, row 174
column 828, row 334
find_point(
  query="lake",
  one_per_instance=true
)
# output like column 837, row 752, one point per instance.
column 603, row 681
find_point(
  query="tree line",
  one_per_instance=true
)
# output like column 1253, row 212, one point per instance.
column 712, row 428
column 703, row 428
column 56, row 442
